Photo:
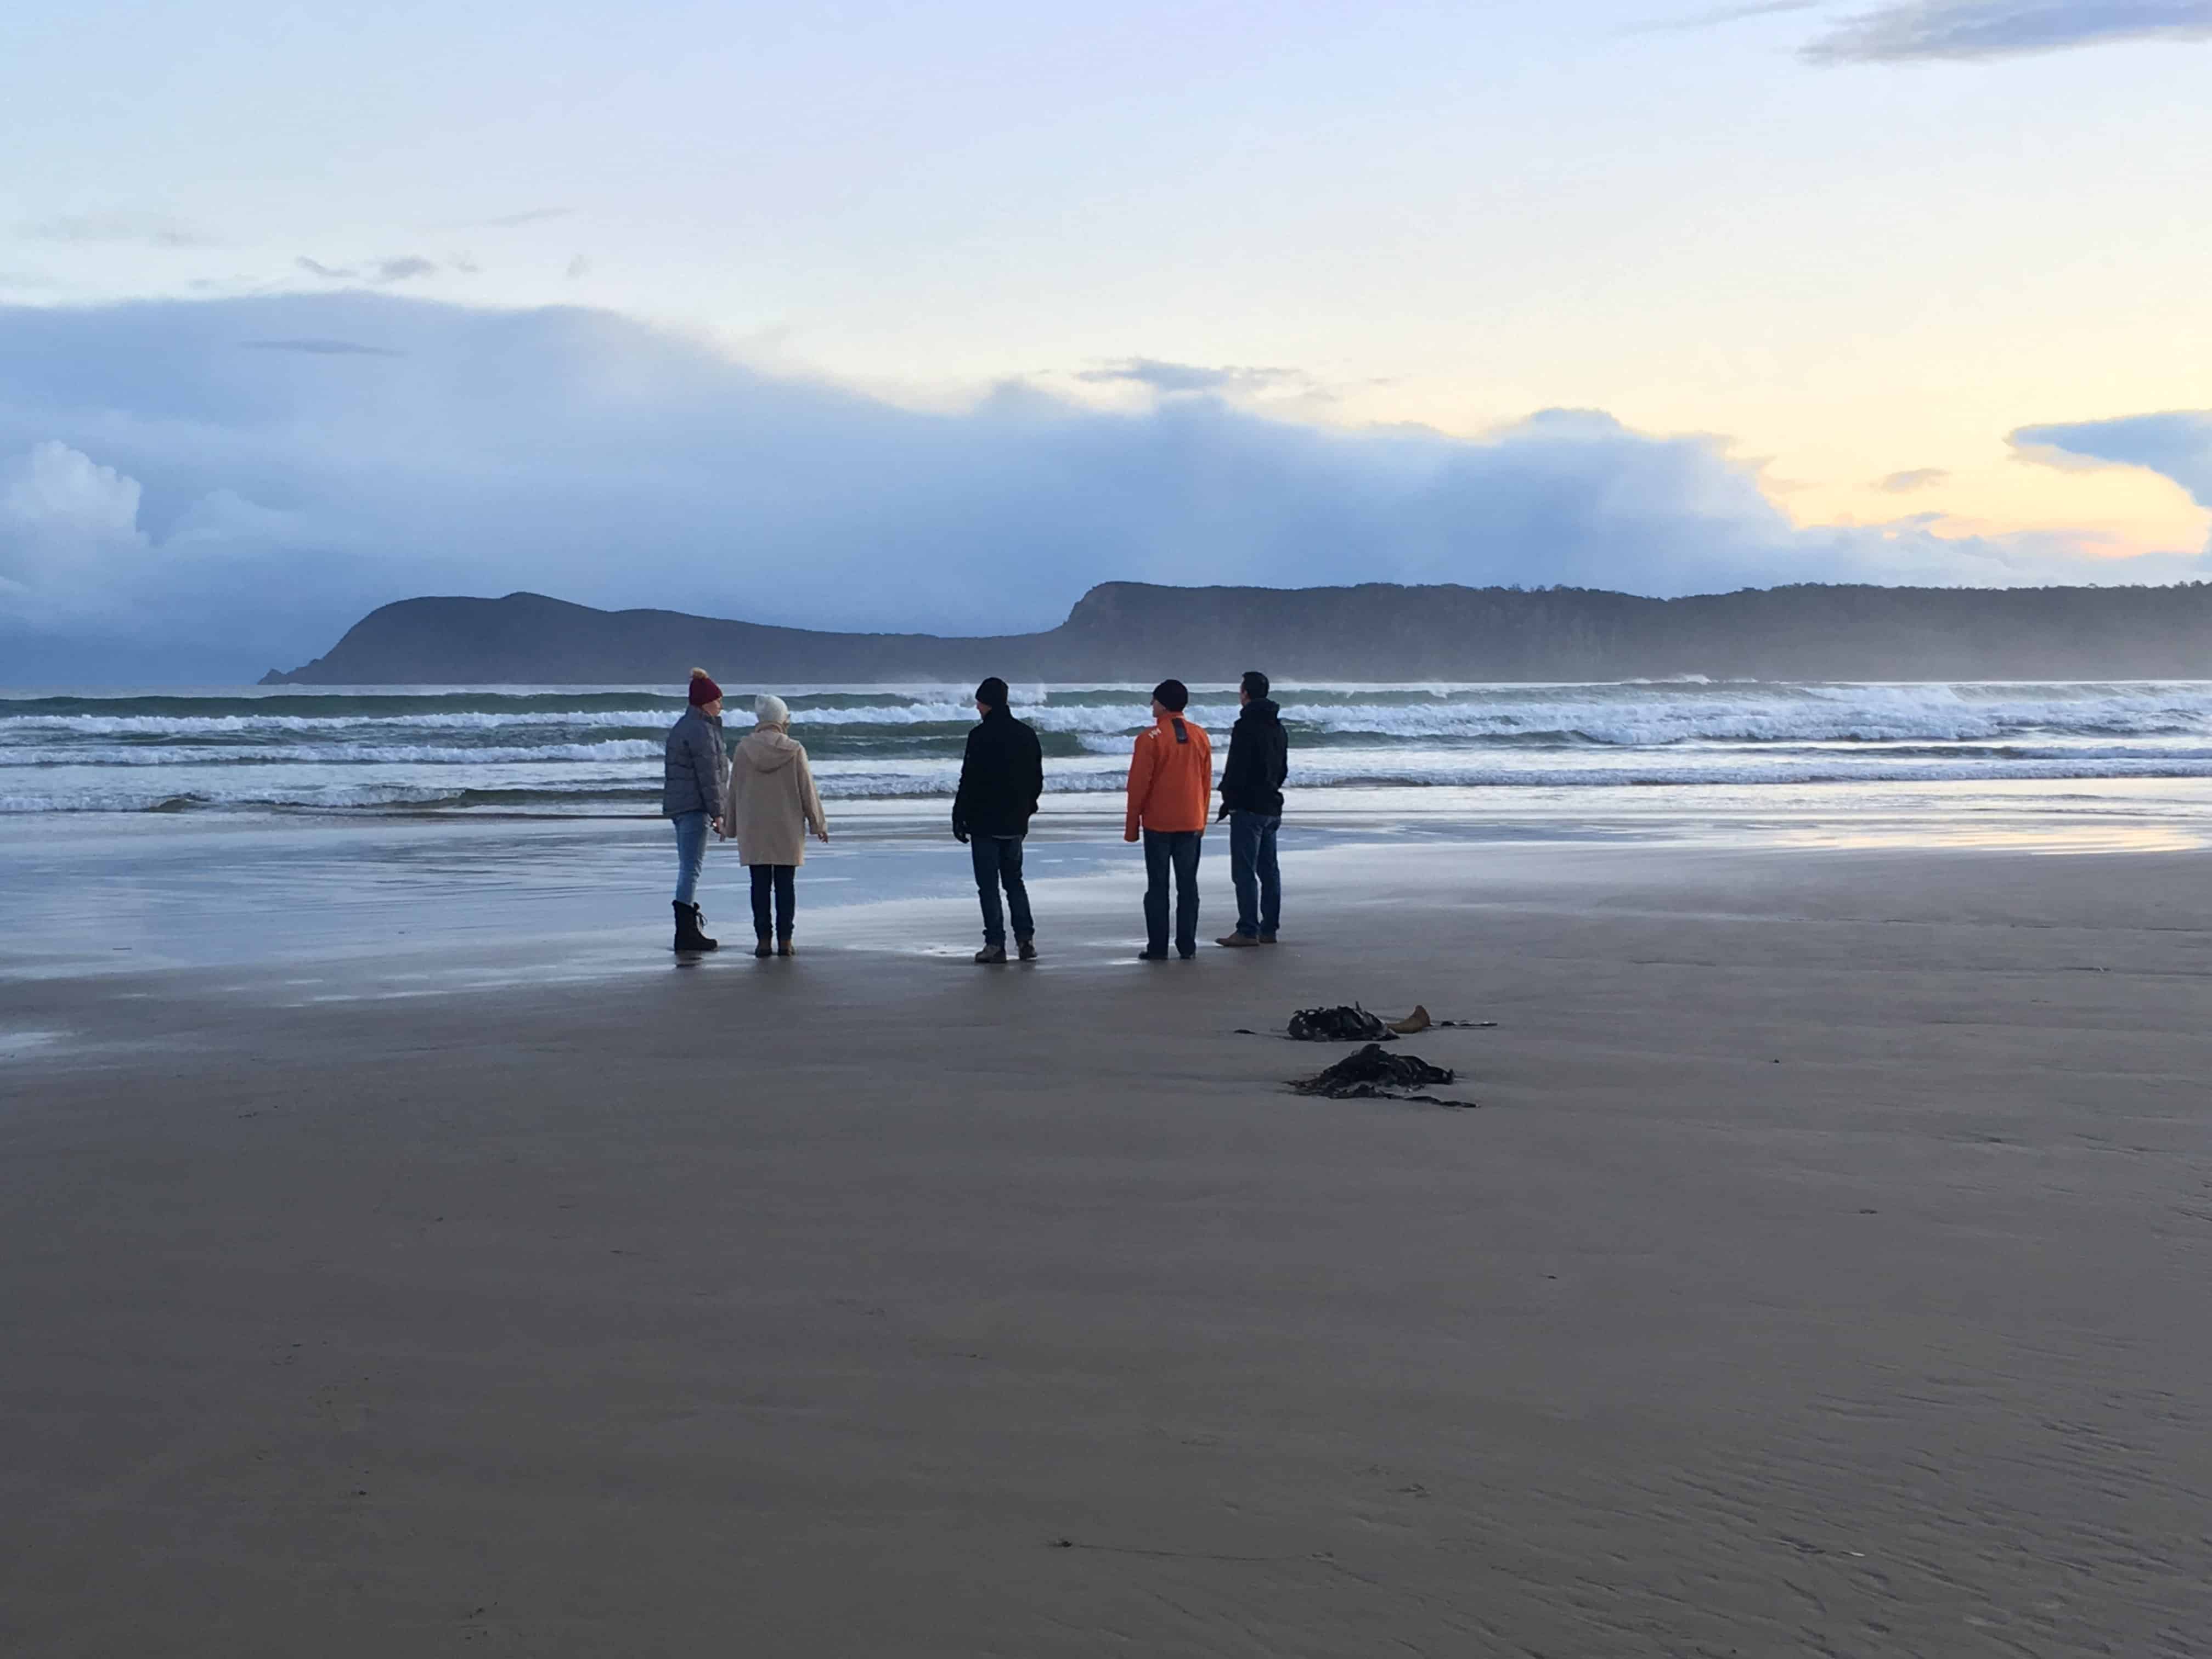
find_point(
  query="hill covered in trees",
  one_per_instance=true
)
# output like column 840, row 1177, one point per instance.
column 1378, row 632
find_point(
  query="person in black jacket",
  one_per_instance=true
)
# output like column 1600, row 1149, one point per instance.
column 1001, row 775
column 1252, row 801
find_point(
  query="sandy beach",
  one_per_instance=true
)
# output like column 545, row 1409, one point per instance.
column 1823, row 1272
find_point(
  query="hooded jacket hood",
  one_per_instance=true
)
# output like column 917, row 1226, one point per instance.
column 765, row 749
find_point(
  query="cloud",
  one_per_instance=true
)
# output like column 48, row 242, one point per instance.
column 219, row 511
column 579, row 266
column 401, row 268
column 1918, row 29
column 1172, row 379
column 1904, row 483
column 2177, row 443
column 64, row 521
column 1720, row 16
column 322, row 348
column 150, row 229
column 508, row 221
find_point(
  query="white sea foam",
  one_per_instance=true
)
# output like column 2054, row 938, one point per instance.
column 400, row 750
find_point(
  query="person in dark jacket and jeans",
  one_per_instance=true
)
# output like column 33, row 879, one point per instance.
column 694, row 793
column 1001, row 776
column 1252, row 801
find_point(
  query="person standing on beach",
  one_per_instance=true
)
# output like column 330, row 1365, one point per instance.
column 773, row 804
column 1252, row 801
column 1170, row 784
column 694, row 785
column 1001, row 776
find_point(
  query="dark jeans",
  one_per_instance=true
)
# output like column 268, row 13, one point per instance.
column 778, row 876
column 1253, row 869
column 1175, row 849
column 999, row 861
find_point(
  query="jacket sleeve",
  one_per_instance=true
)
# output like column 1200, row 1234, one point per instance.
column 960, row 795
column 809, row 798
column 1281, row 746
column 1233, row 792
column 704, row 751
column 1143, row 761
column 1033, row 773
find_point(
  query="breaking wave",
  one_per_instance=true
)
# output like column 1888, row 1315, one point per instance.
column 599, row 750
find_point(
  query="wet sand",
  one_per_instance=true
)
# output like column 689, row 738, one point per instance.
column 1825, row 1274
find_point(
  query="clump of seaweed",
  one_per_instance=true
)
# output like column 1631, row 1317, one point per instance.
column 1375, row 1073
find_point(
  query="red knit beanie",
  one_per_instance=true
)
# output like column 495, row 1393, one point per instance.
column 703, row 690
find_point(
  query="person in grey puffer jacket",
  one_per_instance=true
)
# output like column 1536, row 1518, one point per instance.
column 694, row 794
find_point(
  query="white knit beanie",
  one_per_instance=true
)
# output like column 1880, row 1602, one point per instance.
column 771, row 710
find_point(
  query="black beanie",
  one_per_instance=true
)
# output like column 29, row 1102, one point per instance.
column 1172, row 696
column 992, row 691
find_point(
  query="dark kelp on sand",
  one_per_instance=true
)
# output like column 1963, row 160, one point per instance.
column 1375, row 1073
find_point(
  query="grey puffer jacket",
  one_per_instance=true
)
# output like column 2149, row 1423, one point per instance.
column 697, row 774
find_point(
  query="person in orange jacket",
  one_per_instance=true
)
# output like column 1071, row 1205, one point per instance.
column 1171, row 787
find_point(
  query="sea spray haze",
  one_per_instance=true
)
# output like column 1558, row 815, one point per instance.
column 597, row 751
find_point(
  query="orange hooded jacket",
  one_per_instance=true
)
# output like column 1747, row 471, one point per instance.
column 1170, row 777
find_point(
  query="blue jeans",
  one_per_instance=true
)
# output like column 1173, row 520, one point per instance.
column 999, row 861
column 691, row 854
column 1252, row 871
column 1176, row 850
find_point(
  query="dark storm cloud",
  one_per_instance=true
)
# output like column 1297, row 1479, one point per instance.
column 162, row 487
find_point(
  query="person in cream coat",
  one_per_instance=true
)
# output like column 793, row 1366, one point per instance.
column 772, row 805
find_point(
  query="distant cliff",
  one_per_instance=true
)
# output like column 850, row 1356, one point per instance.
column 1132, row 631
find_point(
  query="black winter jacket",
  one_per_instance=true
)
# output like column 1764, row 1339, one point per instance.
column 1258, row 761
column 1001, row 775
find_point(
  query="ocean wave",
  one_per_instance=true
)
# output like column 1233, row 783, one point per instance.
column 333, row 754
column 1623, row 716
column 856, row 781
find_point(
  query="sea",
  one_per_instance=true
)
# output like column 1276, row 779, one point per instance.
column 430, row 826
column 596, row 750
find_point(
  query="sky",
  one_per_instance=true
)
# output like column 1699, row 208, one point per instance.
column 896, row 317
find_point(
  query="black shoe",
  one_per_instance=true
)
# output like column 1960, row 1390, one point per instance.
column 1152, row 956
column 1186, row 956
column 762, row 947
column 688, row 936
column 1026, row 949
column 992, row 953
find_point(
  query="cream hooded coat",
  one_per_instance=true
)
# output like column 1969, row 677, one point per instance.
column 772, row 798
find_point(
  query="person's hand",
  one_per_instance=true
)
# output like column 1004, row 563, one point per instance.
column 960, row 835
column 718, row 826
column 1128, row 834
column 821, row 835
